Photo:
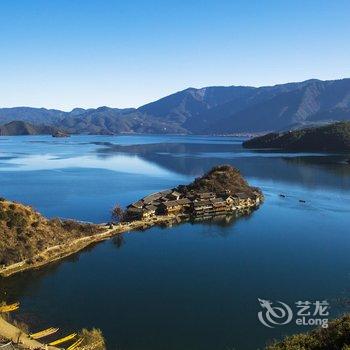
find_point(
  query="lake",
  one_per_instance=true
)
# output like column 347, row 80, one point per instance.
column 191, row 286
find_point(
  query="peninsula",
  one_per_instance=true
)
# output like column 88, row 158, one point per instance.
column 29, row 240
column 329, row 138
column 20, row 128
column 221, row 191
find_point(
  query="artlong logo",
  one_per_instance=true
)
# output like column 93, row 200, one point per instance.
column 279, row 313
column 274, row 315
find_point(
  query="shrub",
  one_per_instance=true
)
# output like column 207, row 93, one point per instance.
column 336, row 336
column 93, row 337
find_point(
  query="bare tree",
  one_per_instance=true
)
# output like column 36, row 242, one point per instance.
column 117, row 213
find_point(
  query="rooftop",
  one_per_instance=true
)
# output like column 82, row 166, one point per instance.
column 172, row 203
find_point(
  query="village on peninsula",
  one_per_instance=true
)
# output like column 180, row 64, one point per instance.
column 208, row 196
column 32, row 241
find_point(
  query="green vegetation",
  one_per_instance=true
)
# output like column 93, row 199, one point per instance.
column 333, row 138
column 25, row 233
column 335, row 337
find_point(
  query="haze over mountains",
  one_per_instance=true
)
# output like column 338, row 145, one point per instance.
column 210, row 110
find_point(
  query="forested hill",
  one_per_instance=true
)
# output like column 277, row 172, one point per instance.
column 334, row 137
column 24, row 128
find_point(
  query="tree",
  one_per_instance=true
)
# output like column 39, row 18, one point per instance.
column 117, row 213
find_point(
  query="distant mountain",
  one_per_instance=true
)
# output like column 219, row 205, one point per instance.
column 29, row 114
column 210, row 110
column 308, row 102
column 334, row 137
column 16, row 128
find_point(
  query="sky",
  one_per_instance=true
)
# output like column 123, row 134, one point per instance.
column 88, row 53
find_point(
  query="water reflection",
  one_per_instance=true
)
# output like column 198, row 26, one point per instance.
column 118, row 240
column 120, row 163
column 206, row 275
column 310, row 169
column 12, row 288
column 15, row 287
column 167, row 156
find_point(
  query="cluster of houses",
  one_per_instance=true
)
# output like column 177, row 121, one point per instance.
column 192, row 204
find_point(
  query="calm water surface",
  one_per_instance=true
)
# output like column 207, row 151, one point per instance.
column 192, row 286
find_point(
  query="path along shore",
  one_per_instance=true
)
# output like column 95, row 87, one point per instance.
column 61, row 251
column 55, row 253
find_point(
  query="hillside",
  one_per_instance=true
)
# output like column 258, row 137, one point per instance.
column 31, row 115
column 209, row 110
column 221, row 179
column 334, row 137
column 17, row 128
column 24, row 232
column 298, row 104
column 336, row 336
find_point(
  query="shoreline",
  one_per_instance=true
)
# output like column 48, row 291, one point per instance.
column 58, row 252
column 221, row 192
column 16, row 335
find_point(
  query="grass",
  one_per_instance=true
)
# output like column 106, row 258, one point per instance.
column 24, row 233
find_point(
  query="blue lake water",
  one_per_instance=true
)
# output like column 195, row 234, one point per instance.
column 192, row 286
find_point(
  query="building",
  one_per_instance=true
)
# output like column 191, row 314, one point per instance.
column 165, row 193
column 133, row 213
column 185, row 202
column 230, row 201
column 149, row 211
column 202, row 207
column 171, row 207
column 137, row 204
column 200, row 204
column 219, row 205
column 242, row 199
column 140, row 213
column 174, row 195
column 156, row 203
column 205, row 195
column 151, row 198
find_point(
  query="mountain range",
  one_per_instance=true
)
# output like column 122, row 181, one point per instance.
column 209, row 110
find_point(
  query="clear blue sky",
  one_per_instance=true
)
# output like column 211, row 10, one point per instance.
column 68, row 53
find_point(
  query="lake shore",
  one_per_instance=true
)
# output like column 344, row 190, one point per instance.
column 220, row 192
column 16, row 335
column 61, row 251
